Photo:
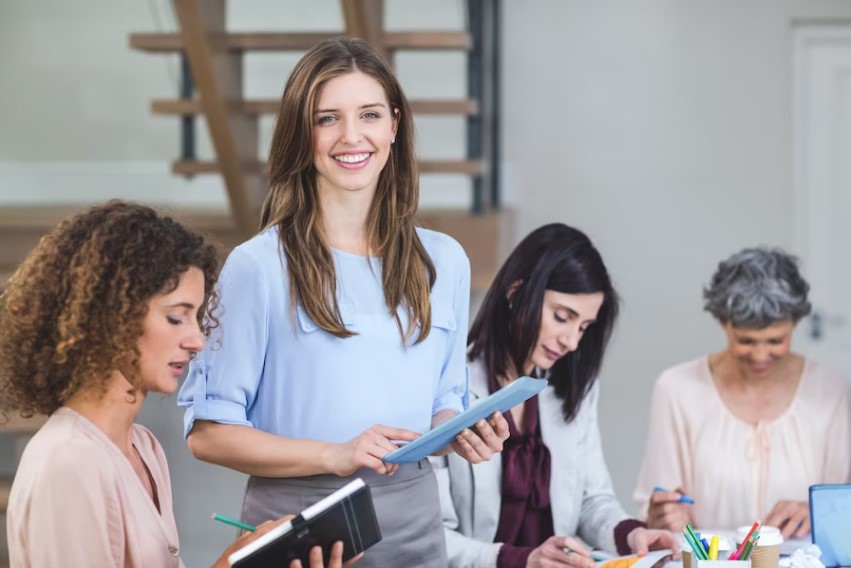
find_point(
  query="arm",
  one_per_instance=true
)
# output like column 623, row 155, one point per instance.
column 74, row 518
column 601, row 511
column 480, row 443
column 667, row 459
column 260, row 453
column 461, row 550
column 793, row 517
column 223, row 381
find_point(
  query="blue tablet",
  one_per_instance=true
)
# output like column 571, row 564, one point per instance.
column 502, row 400
column 830, row 518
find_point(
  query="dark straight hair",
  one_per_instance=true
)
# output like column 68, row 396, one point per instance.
column 504, row 333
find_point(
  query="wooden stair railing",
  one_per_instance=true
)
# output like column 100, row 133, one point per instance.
column 214, row 58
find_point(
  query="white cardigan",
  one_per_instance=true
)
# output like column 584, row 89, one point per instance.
column 581, row 494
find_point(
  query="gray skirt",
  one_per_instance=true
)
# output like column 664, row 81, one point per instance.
column 407, row 506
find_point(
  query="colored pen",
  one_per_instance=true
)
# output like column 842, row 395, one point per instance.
column 696, row 547
column 746, row 555
column 233, row 522
column 683, row 497
column 705, row 545
column 738, row 554
column 703, row 552
column 713, row 548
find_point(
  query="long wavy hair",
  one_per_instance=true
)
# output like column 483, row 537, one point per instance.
column 504, row 334
column 72, row 312
column 293, row 201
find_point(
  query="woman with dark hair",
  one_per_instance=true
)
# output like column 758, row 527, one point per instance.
column 344, row 324
column 549, row 313
column 110, row 306
column 776, row 422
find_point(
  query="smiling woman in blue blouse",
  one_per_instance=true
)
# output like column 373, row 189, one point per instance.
column 549, row 312
column 343, row 326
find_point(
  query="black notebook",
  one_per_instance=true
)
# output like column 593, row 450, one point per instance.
column 346, row 515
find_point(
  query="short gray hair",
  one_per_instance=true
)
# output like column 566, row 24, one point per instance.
column 757, row 287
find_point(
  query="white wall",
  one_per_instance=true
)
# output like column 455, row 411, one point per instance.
column 661, row 127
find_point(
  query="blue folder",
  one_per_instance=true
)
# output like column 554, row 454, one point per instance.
column 502, row 400
column 830, row 518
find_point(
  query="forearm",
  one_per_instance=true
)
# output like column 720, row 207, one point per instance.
column 257, row 452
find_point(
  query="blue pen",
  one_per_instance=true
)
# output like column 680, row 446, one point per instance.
column 683, row 498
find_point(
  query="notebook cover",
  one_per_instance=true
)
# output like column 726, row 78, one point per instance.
column 351, row 519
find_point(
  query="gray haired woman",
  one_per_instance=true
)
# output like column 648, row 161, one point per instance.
column 741, row 434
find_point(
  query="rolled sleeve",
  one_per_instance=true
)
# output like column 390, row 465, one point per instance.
column 453, row 387
column 223, row 380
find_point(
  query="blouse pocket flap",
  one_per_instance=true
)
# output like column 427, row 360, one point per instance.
column 443, row 316
column 307, row 325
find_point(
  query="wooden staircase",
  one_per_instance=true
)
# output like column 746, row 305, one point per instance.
column 213, row 86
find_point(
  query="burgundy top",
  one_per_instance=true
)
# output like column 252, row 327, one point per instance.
column 525, row 516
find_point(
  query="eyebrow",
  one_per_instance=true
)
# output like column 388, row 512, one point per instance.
column 186, row 305
column 370, row 105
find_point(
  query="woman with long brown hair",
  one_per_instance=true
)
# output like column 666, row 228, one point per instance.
column 344, row 326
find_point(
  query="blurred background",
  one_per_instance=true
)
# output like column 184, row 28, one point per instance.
column 674, row 132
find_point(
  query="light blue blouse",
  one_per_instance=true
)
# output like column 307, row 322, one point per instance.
column 264, row 367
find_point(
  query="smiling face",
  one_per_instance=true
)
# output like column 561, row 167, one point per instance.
column 353, row 126
column 171, row 334
column 564, row 319
column 758, row 351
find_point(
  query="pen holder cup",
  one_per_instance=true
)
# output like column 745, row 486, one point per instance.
column 765, row 556
column 688, row 562
column 723, row 564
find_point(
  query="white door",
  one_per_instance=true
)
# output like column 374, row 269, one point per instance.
column 822, row 136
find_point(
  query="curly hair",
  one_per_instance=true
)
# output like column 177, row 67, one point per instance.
column 757, row 287
column 72, row 312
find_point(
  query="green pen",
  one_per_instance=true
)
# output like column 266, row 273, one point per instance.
column 233, row 522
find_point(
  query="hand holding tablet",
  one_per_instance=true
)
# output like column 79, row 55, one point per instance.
column 502, row 400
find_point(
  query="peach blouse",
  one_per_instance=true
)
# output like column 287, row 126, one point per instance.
column 735, row 471
column 76, row 501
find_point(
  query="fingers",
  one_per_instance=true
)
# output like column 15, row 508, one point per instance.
column 353, row 560
column 638, row 541
column 500, row 425
column 667, row 515
column 572, row 552
column 336, row 559
column 791, row 517
column 391, row 433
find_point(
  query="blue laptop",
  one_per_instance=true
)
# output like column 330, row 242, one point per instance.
column 830, row 514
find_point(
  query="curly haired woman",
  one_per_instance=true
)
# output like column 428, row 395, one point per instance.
column 109, row 307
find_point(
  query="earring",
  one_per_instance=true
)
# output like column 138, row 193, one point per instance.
column 392, row 140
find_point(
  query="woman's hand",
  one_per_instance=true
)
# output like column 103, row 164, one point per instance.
column 366, row 450
column 666, row 512
column 246, row 538
column 335, row 561
column 791, row 517
column 479, row 443
column 560, row 551
column 641, row 541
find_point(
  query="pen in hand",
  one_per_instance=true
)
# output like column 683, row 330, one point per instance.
column 683, row 497
column 233, row 522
